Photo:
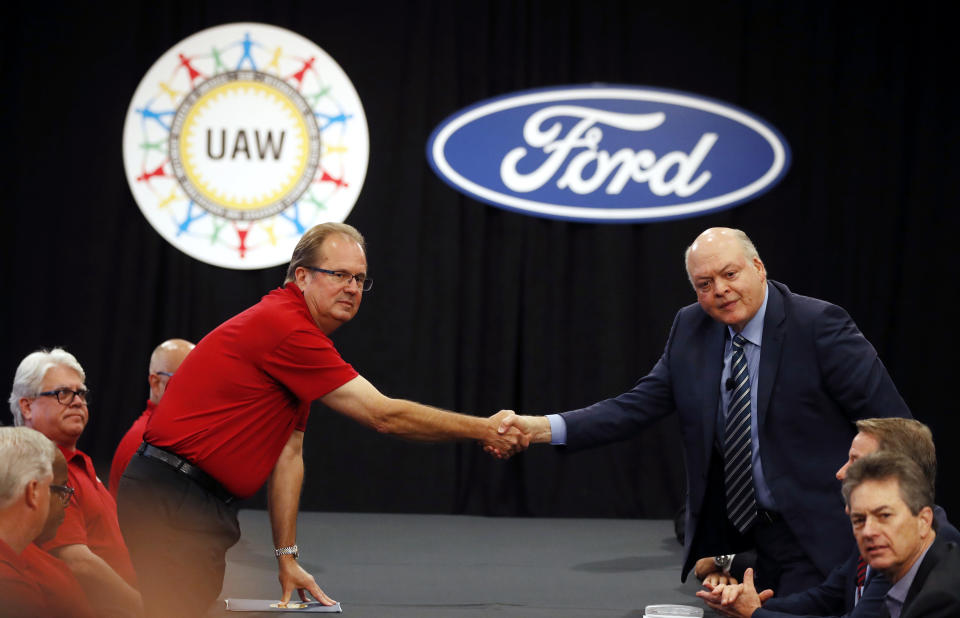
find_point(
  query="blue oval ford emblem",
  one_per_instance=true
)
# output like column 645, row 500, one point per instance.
column 608, row 153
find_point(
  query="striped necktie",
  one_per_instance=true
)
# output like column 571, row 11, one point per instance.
column 737, row 450
column 861, row 578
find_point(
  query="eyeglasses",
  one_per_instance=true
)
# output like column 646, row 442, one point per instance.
column 65, row 492
column 363, row 282
column 164, row 373
column 65, row 395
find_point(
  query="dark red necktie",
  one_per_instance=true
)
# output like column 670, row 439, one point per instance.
column 861, row 577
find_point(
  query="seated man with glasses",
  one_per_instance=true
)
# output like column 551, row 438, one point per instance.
column 63, row 593
column 164, row 362
column 49, row 395
column 234, row 416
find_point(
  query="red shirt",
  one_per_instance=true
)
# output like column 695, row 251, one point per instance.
column 91, row 518
column 62, row 591
column 245, row 388
column 127, row 447
column 20, row 596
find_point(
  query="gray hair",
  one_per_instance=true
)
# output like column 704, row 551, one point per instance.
column 29, row 377
column 25, row 455
column 915, row 490
column 749, row 249
column 307, row 250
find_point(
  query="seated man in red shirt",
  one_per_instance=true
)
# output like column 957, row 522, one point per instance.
column 25, row 477
column 49, row 395
column 234, row 416
column 164, row 362
column 63, row 593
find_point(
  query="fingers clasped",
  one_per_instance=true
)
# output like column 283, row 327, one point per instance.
column 505, row 439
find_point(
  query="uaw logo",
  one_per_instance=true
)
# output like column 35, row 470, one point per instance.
column 239, row 139
column 608, row 153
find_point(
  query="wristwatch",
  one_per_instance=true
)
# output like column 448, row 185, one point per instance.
column 723, row 562
column 292, row 550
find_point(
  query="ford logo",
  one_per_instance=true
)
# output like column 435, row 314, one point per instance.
column 608, row 153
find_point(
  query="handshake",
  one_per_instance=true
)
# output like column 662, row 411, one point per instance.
column 509, row 433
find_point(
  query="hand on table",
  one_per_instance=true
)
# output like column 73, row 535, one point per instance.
column 293, row 576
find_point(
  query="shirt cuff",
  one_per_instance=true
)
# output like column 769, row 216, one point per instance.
column 558, row 429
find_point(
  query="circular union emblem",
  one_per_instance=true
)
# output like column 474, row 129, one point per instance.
column 239, row 139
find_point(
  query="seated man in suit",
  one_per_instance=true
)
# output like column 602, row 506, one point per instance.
column 891, row 509
column 851, row 588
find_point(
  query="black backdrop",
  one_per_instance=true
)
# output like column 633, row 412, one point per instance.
column 476, row 308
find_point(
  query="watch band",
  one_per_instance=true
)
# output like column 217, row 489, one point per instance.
column 291, row 550
column 723, row 562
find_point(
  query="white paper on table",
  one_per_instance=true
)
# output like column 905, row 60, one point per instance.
column 273, row 605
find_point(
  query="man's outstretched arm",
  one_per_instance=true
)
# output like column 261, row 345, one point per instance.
column 361, row 401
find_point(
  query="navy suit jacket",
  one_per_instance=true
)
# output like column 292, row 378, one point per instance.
column 818, row 375
column 835, row 596
column 935, row 591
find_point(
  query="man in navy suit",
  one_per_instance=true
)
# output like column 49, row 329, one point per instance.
column 851, row 589
column 891, row 509
column 811, row 375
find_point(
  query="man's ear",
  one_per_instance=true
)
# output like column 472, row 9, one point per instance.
column 32, row 494
column 25, row 411
column 758, row 263
column 300, row 277
column 925, row 521
column 154, row 381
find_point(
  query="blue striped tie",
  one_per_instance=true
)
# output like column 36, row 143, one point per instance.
column 737, row 450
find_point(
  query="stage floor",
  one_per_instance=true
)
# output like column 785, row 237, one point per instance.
column 459, row 566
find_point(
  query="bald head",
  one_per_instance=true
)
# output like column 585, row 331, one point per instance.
column 164, row 362
column 714, row 237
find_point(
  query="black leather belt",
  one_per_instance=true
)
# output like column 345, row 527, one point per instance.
column 186, row 468
column 768, row 517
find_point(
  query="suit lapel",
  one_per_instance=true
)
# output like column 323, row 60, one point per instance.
column 934, row 554
column 771, row 349
column 710, row 370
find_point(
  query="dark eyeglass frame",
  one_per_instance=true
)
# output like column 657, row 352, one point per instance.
column 64, row 492
column 363, row 282
column 83, row 394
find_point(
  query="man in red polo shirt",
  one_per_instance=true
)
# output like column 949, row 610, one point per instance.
column 25, row 477
column 164, row 362
column 234, row 415
column 63, row 593
column 49, row 395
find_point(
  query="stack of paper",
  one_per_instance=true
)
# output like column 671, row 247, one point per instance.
column 672, row 611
